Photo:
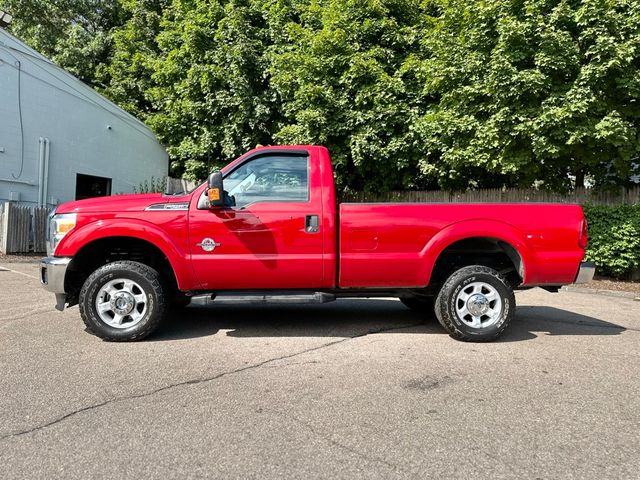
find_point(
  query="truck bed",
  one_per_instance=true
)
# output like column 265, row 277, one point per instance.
column 396, row 245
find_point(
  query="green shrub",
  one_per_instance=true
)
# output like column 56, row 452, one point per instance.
column 154, row 185
column 614, row 239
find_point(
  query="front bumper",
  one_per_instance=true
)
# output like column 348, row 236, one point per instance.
column 586, row 272
column 52, row 273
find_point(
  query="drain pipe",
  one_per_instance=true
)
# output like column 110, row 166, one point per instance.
column 40, row 169
column 45, row 178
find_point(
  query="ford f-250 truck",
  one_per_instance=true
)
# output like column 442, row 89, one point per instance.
column 268, row 227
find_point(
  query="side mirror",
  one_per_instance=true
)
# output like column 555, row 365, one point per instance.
column 215, row 191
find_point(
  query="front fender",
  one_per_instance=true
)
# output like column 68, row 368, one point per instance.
column 134, row 228
column 475, row 228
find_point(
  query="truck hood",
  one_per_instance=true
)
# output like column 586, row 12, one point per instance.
column 120, row 203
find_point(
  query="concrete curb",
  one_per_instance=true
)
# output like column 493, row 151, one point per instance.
column 608, row 293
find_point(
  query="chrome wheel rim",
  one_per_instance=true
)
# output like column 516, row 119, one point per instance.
column 478, row 305
column 121, row 303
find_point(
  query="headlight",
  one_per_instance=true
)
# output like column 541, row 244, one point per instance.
column 59, row 226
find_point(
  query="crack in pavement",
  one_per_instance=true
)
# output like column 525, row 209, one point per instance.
column 6, row 269
column 295, row 364
column 201, row 380
column 340, row 445
column 11, row 319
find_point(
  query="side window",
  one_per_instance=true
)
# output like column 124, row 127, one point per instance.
column 272, row 178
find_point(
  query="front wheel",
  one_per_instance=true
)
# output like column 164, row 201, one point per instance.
column 123, row 301
column 475, row 304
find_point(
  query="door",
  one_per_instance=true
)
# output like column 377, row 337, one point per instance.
column 270, row 238
column 88, row 186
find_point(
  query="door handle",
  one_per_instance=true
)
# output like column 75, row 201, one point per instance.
column 311, row 224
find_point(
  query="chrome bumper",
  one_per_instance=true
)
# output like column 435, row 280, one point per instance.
column 586, row 272
column 52, row 273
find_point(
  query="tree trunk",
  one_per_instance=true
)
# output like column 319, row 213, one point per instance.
column 580, row 178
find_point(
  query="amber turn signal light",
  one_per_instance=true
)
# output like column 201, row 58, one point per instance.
column 214, row 194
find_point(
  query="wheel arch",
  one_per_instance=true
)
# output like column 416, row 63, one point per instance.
column 484, row 242
column 132, row 230
column 95, row 245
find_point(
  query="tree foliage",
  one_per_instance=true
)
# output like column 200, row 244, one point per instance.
column 211, row 90
column 614, row 239
column 407, row 94
column 76, row 34
column 533, row 91
column 134, row 50
column 343, row 74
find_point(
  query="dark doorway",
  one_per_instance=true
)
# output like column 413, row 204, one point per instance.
column 88, row 186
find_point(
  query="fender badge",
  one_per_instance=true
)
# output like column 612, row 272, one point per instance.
column 208, row 245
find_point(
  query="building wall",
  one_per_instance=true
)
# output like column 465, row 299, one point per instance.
column 87, row 134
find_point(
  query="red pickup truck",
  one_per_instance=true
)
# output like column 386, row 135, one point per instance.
column 268, row 228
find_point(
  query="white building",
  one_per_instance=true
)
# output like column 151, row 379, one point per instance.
column 62, row 141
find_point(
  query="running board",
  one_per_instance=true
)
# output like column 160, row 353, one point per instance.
column 226, row 298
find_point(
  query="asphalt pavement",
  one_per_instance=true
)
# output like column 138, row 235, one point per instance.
column 351, row 389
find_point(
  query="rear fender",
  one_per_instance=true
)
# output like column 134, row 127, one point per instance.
column 475, row 228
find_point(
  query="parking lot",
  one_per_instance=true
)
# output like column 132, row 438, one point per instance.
column 352, row 389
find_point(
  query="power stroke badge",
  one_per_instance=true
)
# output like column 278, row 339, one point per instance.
column 208, row 244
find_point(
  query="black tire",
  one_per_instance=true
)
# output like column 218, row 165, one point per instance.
column 150, row 310
column 479, row 284
column 422, row 304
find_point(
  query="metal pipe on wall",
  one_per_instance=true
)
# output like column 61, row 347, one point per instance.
column 40, row 169
column 43, row 170
column 47, row 154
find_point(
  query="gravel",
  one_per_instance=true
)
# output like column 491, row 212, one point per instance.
column 22, row 257
column 601, row 283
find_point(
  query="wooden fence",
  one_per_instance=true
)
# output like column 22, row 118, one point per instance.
column 23, row 229
column 623, row 196
column 180, row 185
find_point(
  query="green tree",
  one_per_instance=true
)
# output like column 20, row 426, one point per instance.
column 76, row 34
column 220, row 77
column 532, row 91
column 407, row 94
column 211, row 93
column 135, row 49
column 343, row 71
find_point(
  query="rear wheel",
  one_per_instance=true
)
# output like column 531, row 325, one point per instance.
column 123, row 301
column 475, row 304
